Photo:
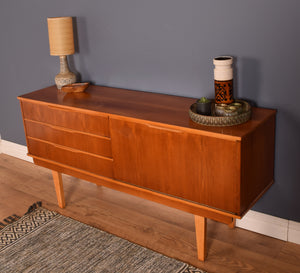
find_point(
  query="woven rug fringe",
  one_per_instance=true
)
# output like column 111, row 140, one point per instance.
column 10, row 219
column 33, row 207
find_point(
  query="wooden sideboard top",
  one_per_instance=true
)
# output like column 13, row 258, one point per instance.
column 154, row 107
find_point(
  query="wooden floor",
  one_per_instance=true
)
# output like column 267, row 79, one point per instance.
column 157, row 227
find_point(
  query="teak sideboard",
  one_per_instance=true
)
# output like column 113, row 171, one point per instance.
column 146, row 145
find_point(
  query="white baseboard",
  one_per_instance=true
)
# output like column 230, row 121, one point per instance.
column 15, row 150
column 265, row 224
column 294, row 232
column 254, row 221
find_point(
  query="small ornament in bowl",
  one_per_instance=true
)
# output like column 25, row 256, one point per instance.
column 238, row 106
column 204, row 106
column 220, row 109
column 231, row 111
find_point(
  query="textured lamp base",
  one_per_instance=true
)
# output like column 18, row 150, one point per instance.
column 65, row 76
column 62, row 79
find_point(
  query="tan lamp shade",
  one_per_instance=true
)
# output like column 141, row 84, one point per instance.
column 61, row 40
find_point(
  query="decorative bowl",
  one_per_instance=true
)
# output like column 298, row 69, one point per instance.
column 214, row 120
column 75, row 87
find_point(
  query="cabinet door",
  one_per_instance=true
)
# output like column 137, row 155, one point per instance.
column 195, row 167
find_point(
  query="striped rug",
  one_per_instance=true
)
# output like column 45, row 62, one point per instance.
column 45, row 241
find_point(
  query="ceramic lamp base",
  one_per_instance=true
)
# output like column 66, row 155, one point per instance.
column 62, row 79
column 65, row 76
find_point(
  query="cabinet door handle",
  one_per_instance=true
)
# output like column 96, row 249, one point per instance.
column 165, row 129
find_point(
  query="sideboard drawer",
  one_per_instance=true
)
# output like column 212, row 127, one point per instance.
column 71, row 157
column 66, row 117
column 69, row 138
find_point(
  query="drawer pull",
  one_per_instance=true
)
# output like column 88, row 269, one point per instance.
column 71, row 157
column 165, row 129
column 58, row 146
column 60, row 108
column 78, row 151
column 55, row 107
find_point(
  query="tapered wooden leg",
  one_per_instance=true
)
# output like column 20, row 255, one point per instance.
column 58, row 183
column 232, row 224
column 200, row 225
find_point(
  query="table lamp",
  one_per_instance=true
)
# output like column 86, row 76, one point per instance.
column 61, row 43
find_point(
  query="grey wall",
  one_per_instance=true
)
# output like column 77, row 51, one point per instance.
column 167, row 46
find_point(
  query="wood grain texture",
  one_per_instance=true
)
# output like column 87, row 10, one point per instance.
column 163, row 229
column 153, row 107
column 59, row 189
column 200, row 228
column 154, row 144
column 71, row 157
column 70, row 138
column 258, row 152
column 94, row 123
column 199, row 168
column 194, row 208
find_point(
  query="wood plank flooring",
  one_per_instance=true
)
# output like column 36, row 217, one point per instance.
column 163, row 229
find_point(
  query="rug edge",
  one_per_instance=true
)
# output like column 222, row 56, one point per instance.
column 32, row 210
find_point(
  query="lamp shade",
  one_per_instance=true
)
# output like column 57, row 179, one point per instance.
column 61, row 39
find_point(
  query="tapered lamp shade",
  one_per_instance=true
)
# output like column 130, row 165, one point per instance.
column 61, row 42
column 61, row 39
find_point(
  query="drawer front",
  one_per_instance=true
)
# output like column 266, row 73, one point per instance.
column 71, row 157
column 66, row 117
column 69, row 138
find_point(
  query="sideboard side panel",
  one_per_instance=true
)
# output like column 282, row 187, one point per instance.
column 257, row 163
